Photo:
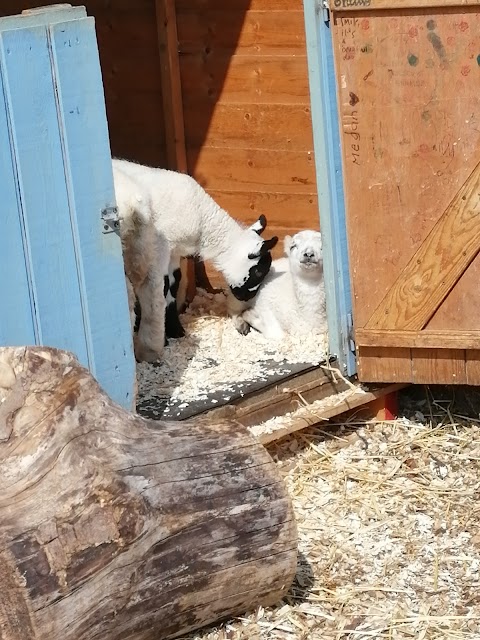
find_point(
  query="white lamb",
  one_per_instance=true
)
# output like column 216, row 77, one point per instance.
column 182, row 220
column 292, row 298
column 146, row 258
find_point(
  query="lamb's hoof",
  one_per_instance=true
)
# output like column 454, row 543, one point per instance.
column 144, row 353
column 243, row 328
column 173, row 326
column 176, row 331
column 138, row 316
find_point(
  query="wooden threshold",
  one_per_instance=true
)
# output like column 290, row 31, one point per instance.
column 425, row 339
column 354, row 401
column 224, row 401
column 283, row 397
column 372, row 5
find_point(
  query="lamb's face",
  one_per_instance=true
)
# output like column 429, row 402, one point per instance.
column 250, row 261
column 304, row 250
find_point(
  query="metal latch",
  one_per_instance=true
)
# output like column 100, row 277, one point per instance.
column 110, row 220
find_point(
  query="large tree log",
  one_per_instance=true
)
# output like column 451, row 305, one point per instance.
column 113, row 527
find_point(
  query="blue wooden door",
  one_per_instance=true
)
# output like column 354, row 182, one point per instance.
column 61, row 277
column 328, row 160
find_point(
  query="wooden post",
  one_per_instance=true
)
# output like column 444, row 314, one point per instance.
column 113, row 526
column 386, row 407
column 173, row 117
column 171, row 85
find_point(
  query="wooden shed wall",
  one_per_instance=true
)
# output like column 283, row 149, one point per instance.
column 247, row 108
column 128, row 45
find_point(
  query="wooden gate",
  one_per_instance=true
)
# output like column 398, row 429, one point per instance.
column 408, row 76
column 61, row 276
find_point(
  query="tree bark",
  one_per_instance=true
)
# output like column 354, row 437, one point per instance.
column 114, row 527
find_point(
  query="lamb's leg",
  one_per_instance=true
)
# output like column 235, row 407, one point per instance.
column 173, row 326
column 150, row 339
column 131, row 302
column 235, row 309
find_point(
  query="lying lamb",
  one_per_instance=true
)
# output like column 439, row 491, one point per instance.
column 292, row 297
column 179, row 217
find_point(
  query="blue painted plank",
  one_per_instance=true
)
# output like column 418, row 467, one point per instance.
column 328, row 157
column 43, row 15
column 16, row 316
column 44, row 199
column 88, row 168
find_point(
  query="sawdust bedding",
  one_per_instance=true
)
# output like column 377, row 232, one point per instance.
column 389, row 536
column 213, row 361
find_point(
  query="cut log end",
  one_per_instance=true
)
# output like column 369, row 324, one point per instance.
column 117, row 527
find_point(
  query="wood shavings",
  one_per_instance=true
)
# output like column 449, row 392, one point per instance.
column 214, row 357
column 388, row 535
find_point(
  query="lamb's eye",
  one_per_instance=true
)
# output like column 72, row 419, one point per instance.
column 294, row 246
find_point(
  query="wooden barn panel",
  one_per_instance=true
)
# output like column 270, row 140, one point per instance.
column 436, row 266
column 472, row 367
column 408, row 147
column 128, row 46
column 255, row 170
column 409, row 114
column 237, row 5
column 284, row 208
column 270, row 126
column 262, row 32
column 443, row 366
column 247, row 109
column 377, row 363
column 353, row 6
column 250, row 79
column 129, row 56
column 461, row 309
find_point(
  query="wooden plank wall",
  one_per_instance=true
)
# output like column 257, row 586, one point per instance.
column 247, row 108
column 128, row 45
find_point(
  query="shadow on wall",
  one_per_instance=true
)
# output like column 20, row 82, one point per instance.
column 129, row 55
column 208, row 32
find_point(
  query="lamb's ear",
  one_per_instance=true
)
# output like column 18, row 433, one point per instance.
column 259, row 225
column 267, row 245
column 287, row 244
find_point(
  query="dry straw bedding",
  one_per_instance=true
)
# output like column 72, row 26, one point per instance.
column 389, row 540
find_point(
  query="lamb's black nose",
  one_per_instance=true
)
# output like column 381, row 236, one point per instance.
column 308, row 254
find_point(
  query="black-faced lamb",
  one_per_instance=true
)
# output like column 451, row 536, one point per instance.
column 291, row 299
column 187, row 222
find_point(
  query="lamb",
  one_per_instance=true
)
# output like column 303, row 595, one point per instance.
column 183, row 220
column 292, row 297
column 146, row 258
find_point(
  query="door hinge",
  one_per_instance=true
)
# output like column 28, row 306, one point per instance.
column 110, row 220
column 325, row 5
column 350, row 334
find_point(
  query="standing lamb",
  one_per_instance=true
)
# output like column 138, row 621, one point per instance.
column 146, row 258
column 183, row 218
column 292, row 298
